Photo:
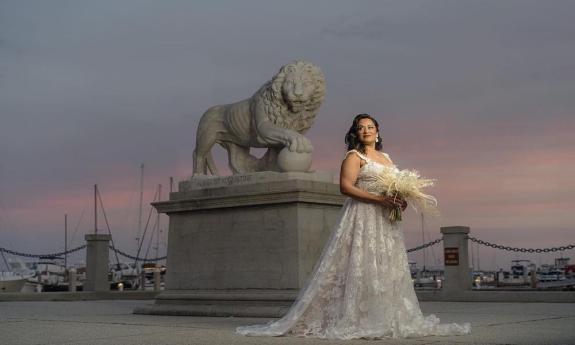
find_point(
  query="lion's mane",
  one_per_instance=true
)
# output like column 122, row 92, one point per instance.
column 271, row 97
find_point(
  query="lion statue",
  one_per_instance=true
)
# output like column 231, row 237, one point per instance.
column 275, row 117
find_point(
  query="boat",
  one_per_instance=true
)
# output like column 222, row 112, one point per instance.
column 16, row 277
column 483, row 279
column 550, row 273
column 426, row 278
column 518, row 275
column 127, row 274
column 521, row 268
column 12, row 281
column 43, row 275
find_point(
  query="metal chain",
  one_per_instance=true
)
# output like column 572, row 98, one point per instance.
column 428, row 244
column 42, row 256
column 54, row 255
column 473, row 239
column 135, row 257
column 522, row 250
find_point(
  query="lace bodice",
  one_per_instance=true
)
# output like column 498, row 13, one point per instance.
column 369, row 170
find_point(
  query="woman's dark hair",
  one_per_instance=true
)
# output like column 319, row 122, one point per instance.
column 351, row 139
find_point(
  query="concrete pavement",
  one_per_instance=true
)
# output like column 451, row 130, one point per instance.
column 112, row 322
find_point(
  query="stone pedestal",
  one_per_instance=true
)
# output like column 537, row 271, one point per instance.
column 244, row 245
column 457, row 273
column 97, row 251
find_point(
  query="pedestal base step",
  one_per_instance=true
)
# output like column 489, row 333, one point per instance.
column 241, row 303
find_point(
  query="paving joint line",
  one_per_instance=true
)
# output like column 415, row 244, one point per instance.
column 526, row 321
column 102, row 338
column 112, row 323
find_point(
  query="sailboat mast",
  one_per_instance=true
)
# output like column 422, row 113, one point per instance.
column 141, row 205
column 423, row 241
column 96, row 209
column 158, row 222
column 477, row 247
column 6, row 261
column 65, row 241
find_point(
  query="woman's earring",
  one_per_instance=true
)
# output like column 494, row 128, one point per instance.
column 378, row 139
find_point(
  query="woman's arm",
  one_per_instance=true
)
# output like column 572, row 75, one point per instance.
column 348, row 175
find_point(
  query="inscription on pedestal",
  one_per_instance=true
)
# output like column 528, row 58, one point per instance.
column 451, row 256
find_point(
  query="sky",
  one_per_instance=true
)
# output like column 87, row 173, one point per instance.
column 476, row 94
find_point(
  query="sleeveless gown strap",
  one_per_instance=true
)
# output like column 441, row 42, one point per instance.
column 361, row 155
column 366, row 158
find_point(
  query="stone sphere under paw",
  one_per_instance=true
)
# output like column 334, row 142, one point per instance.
column 294, row 161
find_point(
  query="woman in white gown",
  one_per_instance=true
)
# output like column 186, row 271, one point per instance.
column 361, row 286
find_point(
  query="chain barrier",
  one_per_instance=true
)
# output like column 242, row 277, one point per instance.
column 70, row 251
column 135, row 257
column 522, row 250
column 42, row 256
column 428, row 244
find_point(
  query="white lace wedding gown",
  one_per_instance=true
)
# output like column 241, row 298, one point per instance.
column 361, row 286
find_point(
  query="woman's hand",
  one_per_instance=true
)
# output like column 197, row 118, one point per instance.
column 403, row 204
column 393, row 201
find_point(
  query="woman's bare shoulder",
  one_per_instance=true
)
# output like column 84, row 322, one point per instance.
column 352, row 156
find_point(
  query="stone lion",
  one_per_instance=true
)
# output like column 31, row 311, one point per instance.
column 276, row 116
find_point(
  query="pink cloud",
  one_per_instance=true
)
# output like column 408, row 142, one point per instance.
column 511, row 184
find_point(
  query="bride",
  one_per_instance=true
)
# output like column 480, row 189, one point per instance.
column 361, row 286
